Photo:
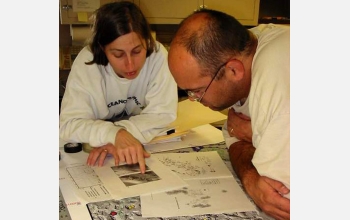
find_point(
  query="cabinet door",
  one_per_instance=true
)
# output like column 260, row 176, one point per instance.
column 245, row 11
column 68, row 16
column 168, row 11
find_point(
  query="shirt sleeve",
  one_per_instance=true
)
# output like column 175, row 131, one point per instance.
column 83, row 106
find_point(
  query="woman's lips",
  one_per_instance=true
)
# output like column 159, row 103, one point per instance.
column 131, row 73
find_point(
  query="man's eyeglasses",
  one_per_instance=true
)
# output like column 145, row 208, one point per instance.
column 193, row 95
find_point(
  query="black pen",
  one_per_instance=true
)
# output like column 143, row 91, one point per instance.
column 171, row 131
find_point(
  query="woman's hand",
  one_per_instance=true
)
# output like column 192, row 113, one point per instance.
column 98, row 154
column 126, row 149
column 129, row 150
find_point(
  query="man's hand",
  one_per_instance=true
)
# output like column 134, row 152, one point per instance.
column 239, row 126
column 267, row 194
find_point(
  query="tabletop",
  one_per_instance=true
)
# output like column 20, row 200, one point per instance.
column 222, row 151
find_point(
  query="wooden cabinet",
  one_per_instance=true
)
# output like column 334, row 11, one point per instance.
column 173, row 12
column 245, row 11
column 168, row 11
column 68, row 14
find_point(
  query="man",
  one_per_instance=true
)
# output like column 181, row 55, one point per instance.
column 222, row 64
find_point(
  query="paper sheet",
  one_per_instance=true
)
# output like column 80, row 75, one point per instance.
column 201, row 165
column 193, row 114
column 205, row 196
column 190, row 115
column 212, row 188
column 199, row 136
column 81, row 184
column 74, row 203
column 126, row 180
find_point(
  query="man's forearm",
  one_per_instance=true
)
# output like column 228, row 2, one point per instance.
column 241, row 154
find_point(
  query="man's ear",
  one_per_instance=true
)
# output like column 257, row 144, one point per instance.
column 236, row 69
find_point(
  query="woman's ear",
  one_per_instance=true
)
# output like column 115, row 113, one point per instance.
column 236, row 69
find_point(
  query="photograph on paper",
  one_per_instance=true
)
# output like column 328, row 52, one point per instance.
column 130, row 174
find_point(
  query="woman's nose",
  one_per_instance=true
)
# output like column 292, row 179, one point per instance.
column 129, row 62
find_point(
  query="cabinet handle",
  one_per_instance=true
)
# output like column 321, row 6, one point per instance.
column 66, row 7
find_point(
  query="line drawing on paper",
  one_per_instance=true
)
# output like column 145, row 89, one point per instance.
column 187, row 168
column 83, row 176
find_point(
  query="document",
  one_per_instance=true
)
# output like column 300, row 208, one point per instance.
column 81, row 184
column 198, row 136
column 72, row 186
column 212, row 188
column 127, row 181
column 193, row 114
column 85, row 184
column 189, row 115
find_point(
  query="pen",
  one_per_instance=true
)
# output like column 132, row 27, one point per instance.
column 168, row 132
column 171, row 131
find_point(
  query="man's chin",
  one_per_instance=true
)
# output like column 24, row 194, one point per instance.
column 215, row 108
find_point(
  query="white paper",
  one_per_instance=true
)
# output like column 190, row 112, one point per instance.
column 212, row 188
column 81, row 184
column 205, row 196
column 126, row 181
column 72, row 194
column 86, row 183
column 196, row 165
column 198, row 136
column 81, row 179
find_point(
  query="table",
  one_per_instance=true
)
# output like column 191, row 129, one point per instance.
column 222, row 151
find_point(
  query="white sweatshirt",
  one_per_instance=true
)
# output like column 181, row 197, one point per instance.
column 97, row 103
column 268, row 103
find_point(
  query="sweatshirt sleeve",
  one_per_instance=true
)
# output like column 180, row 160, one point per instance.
column 161, row 100
column 83, row 107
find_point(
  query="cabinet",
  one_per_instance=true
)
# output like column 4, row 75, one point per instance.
column 69, row 16
column 173, row 12
column 245, row 11
column 168, row 11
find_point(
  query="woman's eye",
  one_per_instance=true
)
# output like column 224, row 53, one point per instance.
column 119, row 55
column 136, row 52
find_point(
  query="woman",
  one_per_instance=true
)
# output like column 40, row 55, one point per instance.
column 119, row 93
